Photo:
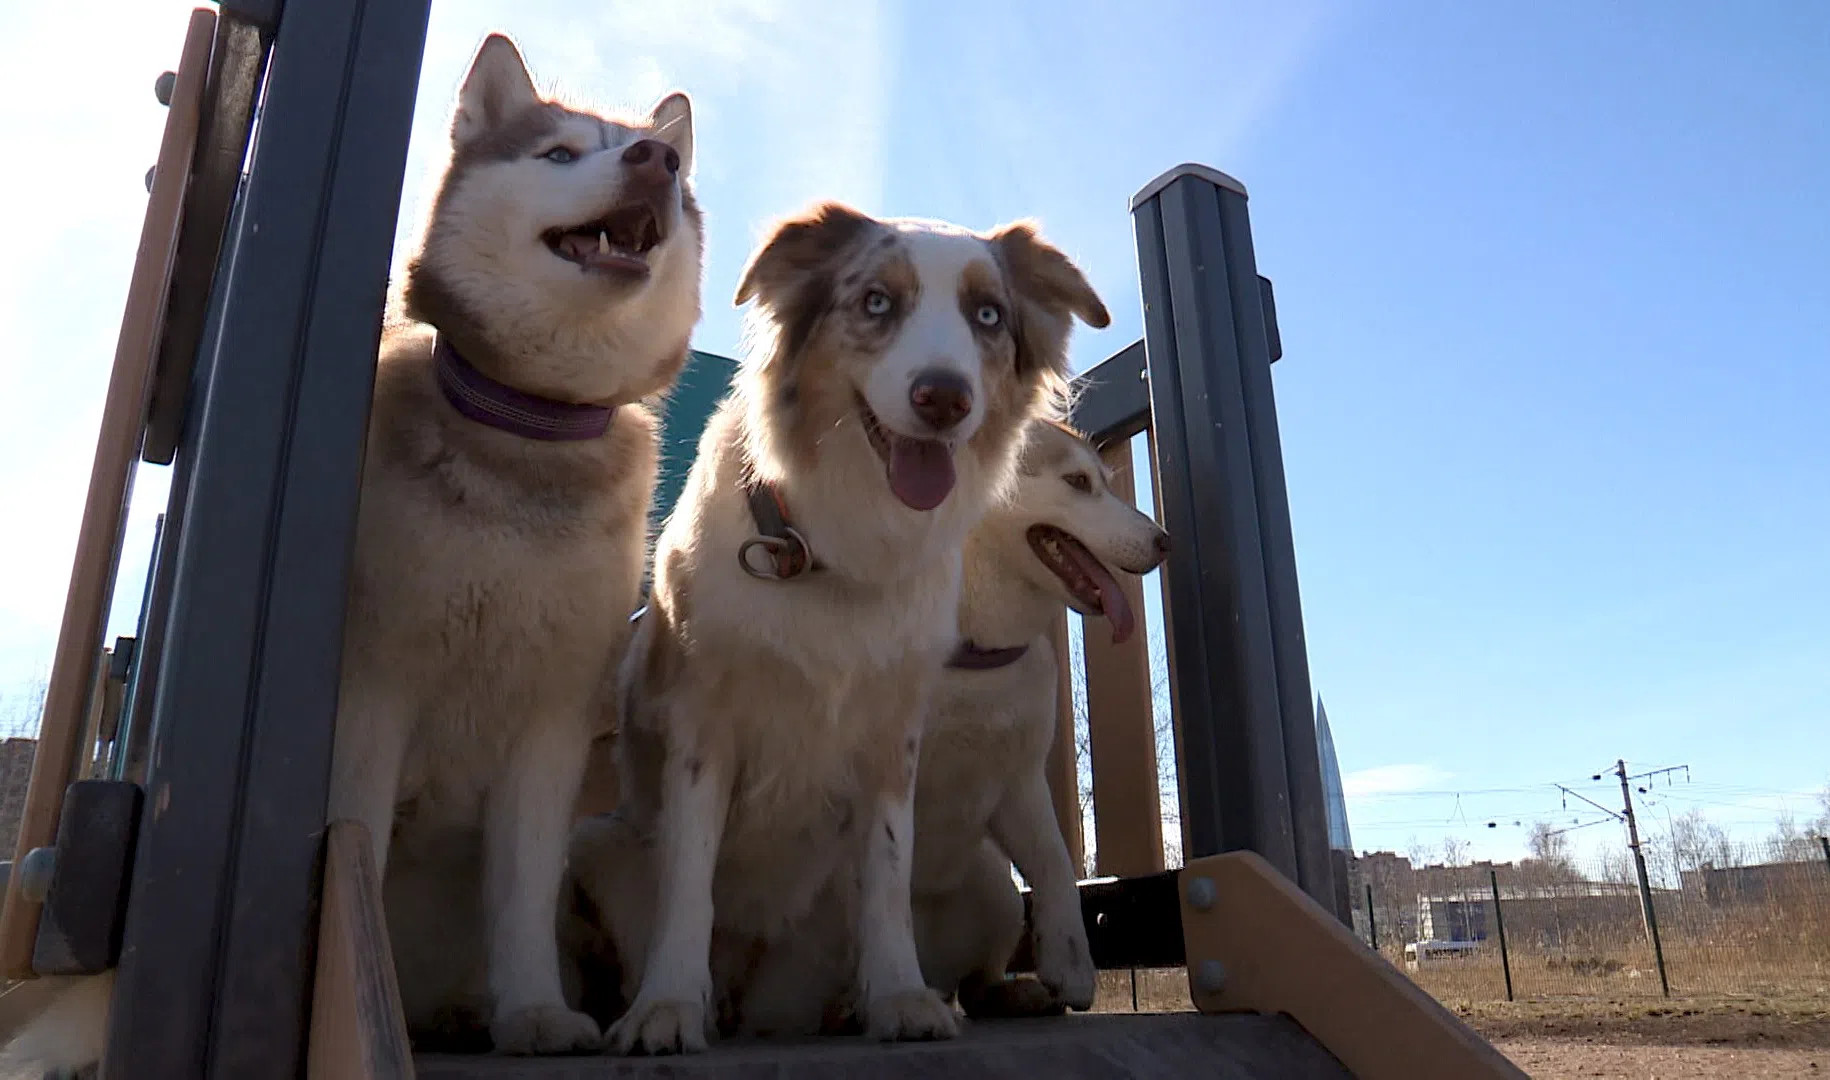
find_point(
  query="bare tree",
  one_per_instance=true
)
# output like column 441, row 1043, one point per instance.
column 22, row 707
column 1455, row 851
column 1548, row 845
column 1821, row 826
column 1696, row 841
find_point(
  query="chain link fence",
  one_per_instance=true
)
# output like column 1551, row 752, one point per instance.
column 1748, row 920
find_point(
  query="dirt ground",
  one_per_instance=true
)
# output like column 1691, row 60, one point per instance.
column 1647, row 1039
column 1675, row 1040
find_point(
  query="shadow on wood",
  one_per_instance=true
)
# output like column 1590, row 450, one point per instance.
column 357, row 1029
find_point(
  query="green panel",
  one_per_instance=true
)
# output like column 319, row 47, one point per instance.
column 702, row 385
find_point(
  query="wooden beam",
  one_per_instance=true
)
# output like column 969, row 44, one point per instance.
column 117, row 451
column 1063, row 755
column 358, row 1031
column 1256, row 942
column 1121, row 724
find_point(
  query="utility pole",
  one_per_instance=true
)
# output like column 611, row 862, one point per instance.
column 1645, row 883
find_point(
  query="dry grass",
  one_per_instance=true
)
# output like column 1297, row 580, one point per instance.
column 1795, row 1020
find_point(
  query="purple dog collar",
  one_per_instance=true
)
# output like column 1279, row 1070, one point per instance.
column 505, row 408
column 970, row 657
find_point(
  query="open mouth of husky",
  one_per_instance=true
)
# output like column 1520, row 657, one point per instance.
column 920, row 470
column 617, row 243
column 1092, row 586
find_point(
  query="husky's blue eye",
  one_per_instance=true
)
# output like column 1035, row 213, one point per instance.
column 989, row 316
column 877, row 303
column 560, row 155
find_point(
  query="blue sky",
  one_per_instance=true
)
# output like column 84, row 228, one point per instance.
column 1552, row 282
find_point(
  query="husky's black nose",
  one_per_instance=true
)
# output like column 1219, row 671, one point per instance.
column 651, row 161
column 941, row 398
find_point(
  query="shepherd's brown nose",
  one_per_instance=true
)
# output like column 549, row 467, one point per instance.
column 651, row 161
column 941, row 398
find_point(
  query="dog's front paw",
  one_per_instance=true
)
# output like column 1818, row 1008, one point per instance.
column 912, row 1015
column 1065, row 966
column 1008, row 998
column 660, row 1027
column 545, row 1029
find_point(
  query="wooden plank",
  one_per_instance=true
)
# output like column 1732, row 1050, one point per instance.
column 84, row 763
column 1169, row 642
column 1091, row 1045
column 105, row 509
column 1279, row 951
column 1063, row 754
column 358, row 1031
column 1121, row 728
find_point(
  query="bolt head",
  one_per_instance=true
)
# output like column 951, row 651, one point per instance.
column 35, row 872
column 1210, row 977
column 162, row 87
column 1201, row 893
column 149, row 177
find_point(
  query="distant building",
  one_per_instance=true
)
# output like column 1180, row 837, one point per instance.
column 1334, row 796
column 15, row 776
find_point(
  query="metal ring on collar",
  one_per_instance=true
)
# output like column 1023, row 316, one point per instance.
column 774, row 545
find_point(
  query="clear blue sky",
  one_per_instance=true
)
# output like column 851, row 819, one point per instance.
column 1553, row 284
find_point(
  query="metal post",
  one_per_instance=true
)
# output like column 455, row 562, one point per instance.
column 1372, row 920
column 1824, row 842
column 1251, row 773
column 1499, row 924
column 215, row 971
column 1645, row 881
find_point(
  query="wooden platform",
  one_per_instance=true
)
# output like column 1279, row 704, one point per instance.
column 1225, row 1047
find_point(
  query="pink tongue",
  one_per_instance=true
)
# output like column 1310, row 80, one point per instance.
column 1111, row 597
column 921, row 472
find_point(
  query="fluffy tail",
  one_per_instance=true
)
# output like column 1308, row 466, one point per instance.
column 69, row 1029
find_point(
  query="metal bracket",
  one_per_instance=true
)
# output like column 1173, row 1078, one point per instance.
column 84, row 878
column 1257, row 943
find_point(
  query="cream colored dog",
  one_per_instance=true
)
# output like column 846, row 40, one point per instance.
column 981, row 793
column 806, row 595
column 982, row 797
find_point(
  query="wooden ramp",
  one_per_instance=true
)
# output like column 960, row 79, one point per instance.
column 1092, row 1047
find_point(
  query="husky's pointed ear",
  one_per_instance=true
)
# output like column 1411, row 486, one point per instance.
column 796, row 251
column 672, row 123
column 497, row 87
column 1048, row 289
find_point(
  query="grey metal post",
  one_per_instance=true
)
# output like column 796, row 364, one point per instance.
column 1499, row 922
column 1645, row 881
column 215, row 972
column 1251, row 773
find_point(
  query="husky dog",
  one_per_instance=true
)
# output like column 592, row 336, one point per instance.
column 500, row 543
column 503, row 530
column 805, row 597
column 982, row 797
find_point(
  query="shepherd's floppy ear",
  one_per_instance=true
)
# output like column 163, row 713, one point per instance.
column 497, row 87
column 1046, row 277
column 672, row 123
column 797, row 249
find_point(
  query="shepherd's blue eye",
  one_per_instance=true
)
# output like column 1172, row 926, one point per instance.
column 560, row 155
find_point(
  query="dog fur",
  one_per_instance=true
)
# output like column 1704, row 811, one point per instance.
column 982, row 798
column 772, row 728
column 981, row 794
column 494, row 573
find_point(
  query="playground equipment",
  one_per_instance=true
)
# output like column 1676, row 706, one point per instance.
column 191, row 853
